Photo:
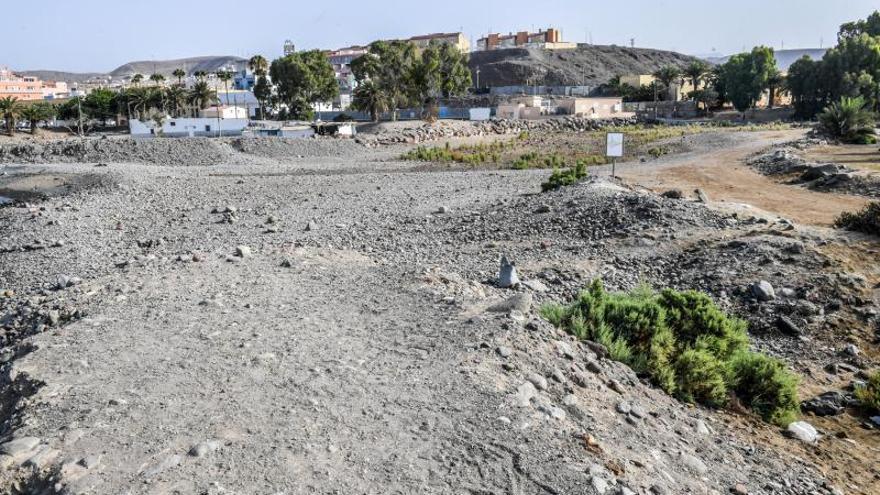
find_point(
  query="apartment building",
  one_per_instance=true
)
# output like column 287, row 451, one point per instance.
column 549, row 39
column 24, row 88
column 458, row 40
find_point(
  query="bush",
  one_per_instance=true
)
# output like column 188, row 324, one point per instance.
column 765, row 385
column 849, row 120
column 684, row 343
column 869, row 394
column 565, row 177
column 867, row 220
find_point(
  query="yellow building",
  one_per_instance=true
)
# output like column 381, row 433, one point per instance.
column 682, row 88
column 458, row 40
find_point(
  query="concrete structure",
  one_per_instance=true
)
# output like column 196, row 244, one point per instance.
column 458, row 40
column 477, row 114
column 186, row 127
column 289, row 48
column 598, row 108
column 225, row 112
column 23, row 88
column 549, row 39
column 681, row 89
column 242, row 99
column 53, row 90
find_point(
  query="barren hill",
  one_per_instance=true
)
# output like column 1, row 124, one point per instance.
column 190, row 65
column 588, row 64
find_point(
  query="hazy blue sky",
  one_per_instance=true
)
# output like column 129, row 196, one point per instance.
column 99, row 35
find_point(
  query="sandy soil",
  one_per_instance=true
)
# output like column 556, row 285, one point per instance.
column 728, row 181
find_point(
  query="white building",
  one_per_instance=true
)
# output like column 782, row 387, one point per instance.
column 187, row 127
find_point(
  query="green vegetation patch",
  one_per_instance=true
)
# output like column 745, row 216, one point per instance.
column 565, row 177
column 866, row 220
column 868, row 395
column 687, row 346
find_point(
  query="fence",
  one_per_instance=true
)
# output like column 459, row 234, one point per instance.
column 541, row 90
column 402, row 114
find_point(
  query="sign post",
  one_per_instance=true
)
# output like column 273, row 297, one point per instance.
column 614, row 149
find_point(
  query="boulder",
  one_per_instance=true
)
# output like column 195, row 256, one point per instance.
column 507, row 276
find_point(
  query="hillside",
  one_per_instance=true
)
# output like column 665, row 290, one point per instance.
column 588, row 64
column 54, row 75
column 784, row 58
column 190, row 65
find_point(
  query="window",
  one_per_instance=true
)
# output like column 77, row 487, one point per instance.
column 207, row 128
column 173, row 124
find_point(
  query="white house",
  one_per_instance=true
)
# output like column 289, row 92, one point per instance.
column 225, row 112
column 188, row 127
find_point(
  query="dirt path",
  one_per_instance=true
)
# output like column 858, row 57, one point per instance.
column 729, row 182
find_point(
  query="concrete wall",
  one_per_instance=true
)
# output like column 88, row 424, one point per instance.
column 188, row 128
column 599, row 108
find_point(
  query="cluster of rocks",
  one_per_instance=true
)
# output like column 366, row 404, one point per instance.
column 425, row 132
column 172, row 151
column 785, row 162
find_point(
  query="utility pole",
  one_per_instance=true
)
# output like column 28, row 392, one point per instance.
column 632, row 42
column 79, row 118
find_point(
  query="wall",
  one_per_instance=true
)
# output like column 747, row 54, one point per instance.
column 189, row 127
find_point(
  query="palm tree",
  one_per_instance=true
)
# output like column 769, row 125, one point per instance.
column 37, row 113
column 225, row 76
column 136, row 79
column 9, row 110
column 695, row 72
column 259, row 65
column 775, row 82
column 201, row 96
column 157, row 79
column 368, row 97
column 200, row 75
column 177, row 97
column 667, row 76
column 179, row 74
column 850, row 120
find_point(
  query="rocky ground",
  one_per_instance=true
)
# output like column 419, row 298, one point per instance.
column 319, row 316
column 786, row 163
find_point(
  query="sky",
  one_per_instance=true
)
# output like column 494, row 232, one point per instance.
column 100, row 35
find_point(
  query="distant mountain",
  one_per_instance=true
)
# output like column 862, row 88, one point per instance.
column 784, row 58
column 190, row 65
column 145, row 67
column 54, row 75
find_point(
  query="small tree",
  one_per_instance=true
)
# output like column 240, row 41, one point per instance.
column 157, row 79
column 201, row 96
column 668, row 76
column 304, row 79
column 225, row 76
column 136, row 79
column 696, row 71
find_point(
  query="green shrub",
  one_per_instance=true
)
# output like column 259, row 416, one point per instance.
column 566, row 177
column 850, row 119
column 684, row 343
column 701, row 377
column 869, row 394
column 766, row 386
column 867, row 220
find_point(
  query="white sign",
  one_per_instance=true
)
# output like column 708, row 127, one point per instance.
column 614, row 144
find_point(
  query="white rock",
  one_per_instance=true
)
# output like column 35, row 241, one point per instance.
column 803, row 431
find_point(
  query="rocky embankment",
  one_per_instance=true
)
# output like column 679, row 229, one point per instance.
column 426, row 132
column 786, row 163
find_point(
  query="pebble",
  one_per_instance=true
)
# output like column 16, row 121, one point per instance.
column 19, row 446
column 507, row 276
column 538, row 381
column 243, row 252
column 693, row 463
column 90, row 462
column 763, row 291
column 623, row 408
column 504, row 351
column 204, row 448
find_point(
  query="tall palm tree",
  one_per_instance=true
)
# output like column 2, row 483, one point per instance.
column 177, row 98
column 667, row 76
column 9, row 110
column 695, row 72
column 136, row 79
column 201, row 96
column 157, row 79
column 225, row 76
column 179, row 74
column 200, row 75
column 259, row 65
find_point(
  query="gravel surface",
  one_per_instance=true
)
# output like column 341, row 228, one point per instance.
column 298, row 324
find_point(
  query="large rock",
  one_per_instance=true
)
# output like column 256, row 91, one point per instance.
column 763, row 291
column 803, row 431
column 820, row 172
column 828, row 404
column 519, row 302
column 507, row 276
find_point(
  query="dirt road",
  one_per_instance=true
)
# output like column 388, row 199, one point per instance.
column 725, row 178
